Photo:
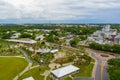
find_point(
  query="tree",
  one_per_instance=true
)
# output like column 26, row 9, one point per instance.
column 114, row 69
column 6, row 36
column 25, row 35
column 53, row 39
column 116, row 48
column 74, row 42
column 107, row 47
column 95, row 46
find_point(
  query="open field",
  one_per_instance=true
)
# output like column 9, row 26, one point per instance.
column 10, row 67
column 85, row 71
column 36, row 73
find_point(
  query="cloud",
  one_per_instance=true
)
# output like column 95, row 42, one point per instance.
column 55, row 9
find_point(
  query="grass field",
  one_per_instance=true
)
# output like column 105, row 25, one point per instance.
column 85, row 71
column 10, row 67
column 67, row 78
column 35, row 73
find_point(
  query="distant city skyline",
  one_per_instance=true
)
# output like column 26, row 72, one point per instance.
column 62, row 11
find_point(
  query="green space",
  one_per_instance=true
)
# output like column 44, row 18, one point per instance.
column 36, row 73
column 85, row 71
column 67, row 78
column 8, row 49
column 11, row 67
column 106, row 47
column 114, row 69
column 104, row 55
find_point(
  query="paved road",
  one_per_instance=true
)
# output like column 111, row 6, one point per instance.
column 105, row 73
column 98, row 68
column 101, row 69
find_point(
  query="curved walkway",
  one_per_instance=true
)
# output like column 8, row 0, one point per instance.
column 13, row 56
column 25, row 55
column 25, row 70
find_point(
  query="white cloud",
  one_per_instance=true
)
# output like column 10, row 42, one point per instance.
column 53, row 9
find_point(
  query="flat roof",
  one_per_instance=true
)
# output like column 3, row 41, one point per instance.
column 30, row 78
column 64, row 71
column 23, row 41
column 53, row 51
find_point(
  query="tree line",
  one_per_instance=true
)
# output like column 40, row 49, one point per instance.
column 106, row 47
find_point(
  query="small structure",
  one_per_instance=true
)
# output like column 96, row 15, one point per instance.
column 30, row 78
column 64, row 71
column 41, row 37
column 54, row 51
column 46, row 50
column 15, row 35
column 23, row 41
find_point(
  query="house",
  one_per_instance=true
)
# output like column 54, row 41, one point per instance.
column 54, row 51
column 106, row 28
column 46, row 50
column 41, row 37
column 91, row 39
column 30, row 78
column 15, row 35
column 60, row 73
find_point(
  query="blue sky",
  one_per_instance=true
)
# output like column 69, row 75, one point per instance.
column 59, row 11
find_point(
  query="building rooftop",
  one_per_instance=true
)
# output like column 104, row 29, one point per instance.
column 64, row 71
column 54, row 51
column 23, row 41
column 30, row 78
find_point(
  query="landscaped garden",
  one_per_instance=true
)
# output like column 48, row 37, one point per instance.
column 67, row 78
column 8, row 49
column 104, row 55
column 36, row 73
column 85, row 71
column 11, row 67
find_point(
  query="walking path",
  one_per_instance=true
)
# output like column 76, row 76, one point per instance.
column 12, row 56
column 25, row 55
column 25, row 70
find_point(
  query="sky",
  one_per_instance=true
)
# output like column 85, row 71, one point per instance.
column 60, row 11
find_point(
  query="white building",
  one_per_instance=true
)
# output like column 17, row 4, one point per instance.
column 91, row 39
column 16, row 35
column 64, row 71
column 54, row 51
column 103, row 36
column 46, row 50
column 117, row 39
column 30, row 78
column 41, row 37
column 106, row 28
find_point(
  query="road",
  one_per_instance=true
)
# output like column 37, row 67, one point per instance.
column 105, row 73
column 98, row 68
column 101, row 67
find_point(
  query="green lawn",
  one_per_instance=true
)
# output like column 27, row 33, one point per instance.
column 10, row 67
column 67, row 78
column 85, row 71
column 35, row 73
